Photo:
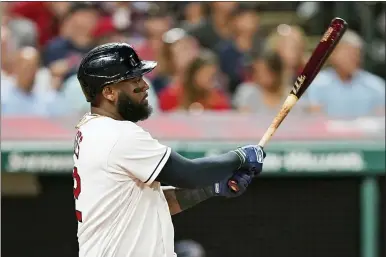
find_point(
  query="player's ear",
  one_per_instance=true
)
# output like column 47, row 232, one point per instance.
column 109, row 93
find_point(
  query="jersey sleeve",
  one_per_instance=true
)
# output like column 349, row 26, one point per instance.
column 140, row 155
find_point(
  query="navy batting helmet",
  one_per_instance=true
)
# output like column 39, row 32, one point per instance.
column 109, row 64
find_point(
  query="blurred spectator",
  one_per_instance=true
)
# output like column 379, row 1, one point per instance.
column 106, row 31
column 290, row 43
column 24, row 32
column 46, row 16
column 62, row 32
column 376, row 48
column 120, row 13
column 199, row 89
column 267, row 90
column 4, row 8
column 156, row 24
column 345, row 90
column 215, row 28
column 193, row 15
column 11, row 49
column 153, row 98
column 8, row 52
column 19, row 96
column 130, row 17
column 64, row 53
column 235, row 54
column 178, row 50
column 72, row 98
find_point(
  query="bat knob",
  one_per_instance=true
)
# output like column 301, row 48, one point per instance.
column 340, row 21
column 233, row 185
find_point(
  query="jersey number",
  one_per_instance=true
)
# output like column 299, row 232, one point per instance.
column 75, row 174
column 77, row 190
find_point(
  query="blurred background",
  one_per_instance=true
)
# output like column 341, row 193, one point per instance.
column 224, row 70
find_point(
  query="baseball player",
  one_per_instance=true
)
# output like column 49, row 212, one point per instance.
column 121, row 208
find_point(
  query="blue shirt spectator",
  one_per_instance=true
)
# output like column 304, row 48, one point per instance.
column 361, row 95
column 233, row 63
column 64, row 53
column 27, row 90
column 344, row 90
column 17, row 102
column 61, row 49
column 236, row 55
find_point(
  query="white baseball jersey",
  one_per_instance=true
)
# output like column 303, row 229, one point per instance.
column 122, row 211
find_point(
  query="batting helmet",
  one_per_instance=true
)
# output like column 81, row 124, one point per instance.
column 109, row 64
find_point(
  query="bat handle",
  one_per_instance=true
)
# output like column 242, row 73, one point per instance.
column 267, row 136
column 288, row 104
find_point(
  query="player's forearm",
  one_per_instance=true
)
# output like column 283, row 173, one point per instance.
column 181, row 199
column 181, row 172
column 174, row 206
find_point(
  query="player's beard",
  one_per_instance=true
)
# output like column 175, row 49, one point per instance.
column 131, row 111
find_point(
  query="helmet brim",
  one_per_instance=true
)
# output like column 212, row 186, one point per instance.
column 144, row 68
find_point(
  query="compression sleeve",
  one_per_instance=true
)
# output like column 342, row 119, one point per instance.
column 185, row 173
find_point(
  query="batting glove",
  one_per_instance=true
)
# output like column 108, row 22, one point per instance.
column 252, row 158
column 242, row 179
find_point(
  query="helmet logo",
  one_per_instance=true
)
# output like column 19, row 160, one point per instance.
column 132, row 61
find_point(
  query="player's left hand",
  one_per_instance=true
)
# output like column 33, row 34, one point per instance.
column 243, row 179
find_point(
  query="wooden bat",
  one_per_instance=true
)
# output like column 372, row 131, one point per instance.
column 321, row 53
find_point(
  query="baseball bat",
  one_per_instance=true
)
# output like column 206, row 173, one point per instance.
column 321, row 53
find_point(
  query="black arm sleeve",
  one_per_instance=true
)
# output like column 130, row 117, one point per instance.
column 185, row 173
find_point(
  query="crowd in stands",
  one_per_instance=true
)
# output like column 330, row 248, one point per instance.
column 211, row 56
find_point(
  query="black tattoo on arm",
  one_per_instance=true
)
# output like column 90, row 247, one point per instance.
column 174, row 206
column 182, row 199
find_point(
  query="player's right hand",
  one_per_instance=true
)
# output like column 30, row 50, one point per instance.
column 241, row 178
column 252, row 158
